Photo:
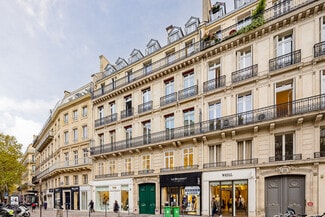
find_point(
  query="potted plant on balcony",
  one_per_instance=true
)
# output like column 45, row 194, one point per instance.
column 215, row 8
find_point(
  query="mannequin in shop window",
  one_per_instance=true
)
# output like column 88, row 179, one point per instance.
column 193, row 202
column 184, row 202
column 218, row 201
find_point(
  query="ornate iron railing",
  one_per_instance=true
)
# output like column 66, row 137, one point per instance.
column 168, row 99
column 147, row 106
column 319, row 49
column 244, row 74
column 214, row 83
column 106, row 120
column 285, row 60
column 188, row 92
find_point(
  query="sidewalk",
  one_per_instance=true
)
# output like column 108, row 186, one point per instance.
column 78, row 213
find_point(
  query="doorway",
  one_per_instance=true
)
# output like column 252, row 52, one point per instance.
column 147, row 198
column 283, row 192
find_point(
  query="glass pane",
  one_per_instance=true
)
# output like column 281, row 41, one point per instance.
column 241, row 197
column 278, row 148
column 289, row 146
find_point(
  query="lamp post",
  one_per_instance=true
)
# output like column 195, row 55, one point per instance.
column 40, row 198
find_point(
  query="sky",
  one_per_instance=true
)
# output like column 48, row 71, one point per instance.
column 49, row 46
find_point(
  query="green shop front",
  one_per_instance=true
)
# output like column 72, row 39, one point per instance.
column 181, row 193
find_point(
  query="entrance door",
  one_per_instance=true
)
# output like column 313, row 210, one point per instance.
column 67, row 202
column 283, row 192
column 147, row 198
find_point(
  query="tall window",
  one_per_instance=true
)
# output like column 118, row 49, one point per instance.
column 75, row 115
column 188, row 156
column 146, row 126
column 171, row 57
column 214, row 115
column 322, row 142
column 128, row 105
column 244, row 58
column 66, row 158
column 214, row 70
column 85, row 132
column 189, row 47
column 322, row 29
column 147, row 68
column 284, row 44
column 129, row 76
column 188, row 79
column 85, row 156
column 66, row 118
column 215, row 153
column 66, row 180
column 127, row 165
column 84, row 111
column 112, row 167
column 284, row 147
column 284, row 95
column 188, row 122
column 101, row 139
column 281, row 7
column 84, row 179
column 244, row 108
column 242, row 22
column 146, row 95
column 66, row 137
column 101, row 112
column 100, row 168
column 322, row 82
column 146, row 162
column 112, row 137
column 75, row 155
column 244, row 150
column 128, row 136
column 113, row 83
column 75, row 135
column 75, row 180
column 169, row 125
column 169, row 159
column 112, row 106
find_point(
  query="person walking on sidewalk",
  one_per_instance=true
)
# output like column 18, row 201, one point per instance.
column 116, row 206
column 91, row 206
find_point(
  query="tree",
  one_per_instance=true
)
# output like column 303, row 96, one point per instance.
column 10, row 167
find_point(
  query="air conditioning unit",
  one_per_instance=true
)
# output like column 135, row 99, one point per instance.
column 261, row 117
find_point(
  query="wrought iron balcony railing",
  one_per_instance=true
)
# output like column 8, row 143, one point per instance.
column 244, row 74
column 297, row 107
column 188, row 92
column 319, row 154
column 109, row 175
column 127, row 113
column 214, row 83
column 285, row 157
column 147, row 171
column 319, row 49
column 180, row 168
column 131, row 173
column 285, row 60
column 269, row 14
column 215, row 164
column 147, row 106
column 106, row 120
column 168, row 99
column 244, row 162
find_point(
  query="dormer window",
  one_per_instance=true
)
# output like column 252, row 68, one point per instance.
column 121, row 63
column 152, row 46
column 174, row 34
column 217, row 10
column 191, row 25
column 109, row 69
column 135, row 56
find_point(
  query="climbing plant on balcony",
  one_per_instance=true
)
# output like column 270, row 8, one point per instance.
column 257, row 18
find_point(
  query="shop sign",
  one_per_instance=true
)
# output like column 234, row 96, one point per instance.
column 189, row 190
column 226, row 174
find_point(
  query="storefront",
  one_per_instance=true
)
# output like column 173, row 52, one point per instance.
column 67, row 198
column 106, row 192
column 232, row 192
column 84, row 197
column 183, row 190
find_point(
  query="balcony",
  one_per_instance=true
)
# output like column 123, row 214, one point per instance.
column 214, row 165
column 181, row 168
column 285, row 60
column 244, row 162
column 127, row 113
column 244, row 74
column 147, row 171
column 319, row 49
column 270, row 113
column 109, row 175
column 188, row 92
column 147, row 106
column 285, row 157
column 214, row 84
column 319, row 154
column 130, row 173
column 106, row 120
column 48, row 137
column 168, row 99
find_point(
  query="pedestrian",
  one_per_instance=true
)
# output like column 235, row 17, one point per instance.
column 116, row 206
column 33, row 207
column 213, row 207
column 91, row 206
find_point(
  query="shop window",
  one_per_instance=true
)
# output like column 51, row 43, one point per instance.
column 124, row 197
column 102, row 198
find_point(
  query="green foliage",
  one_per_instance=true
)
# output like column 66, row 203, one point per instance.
column 10, row 166
column 259, row 8
column 259, row 21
